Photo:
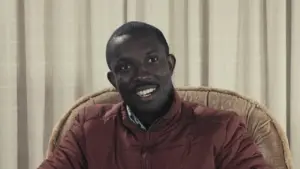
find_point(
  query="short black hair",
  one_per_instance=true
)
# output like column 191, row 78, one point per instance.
column 136, row 27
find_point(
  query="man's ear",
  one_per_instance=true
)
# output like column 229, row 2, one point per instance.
column 172, row 62
column 111, row 78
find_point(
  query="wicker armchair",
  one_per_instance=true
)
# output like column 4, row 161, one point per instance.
column 266, row 132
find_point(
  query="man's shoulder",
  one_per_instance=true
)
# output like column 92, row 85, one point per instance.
column 214, row 124
column 216, row 118
column 98, row 112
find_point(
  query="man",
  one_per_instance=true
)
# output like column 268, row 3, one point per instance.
column 152, row 128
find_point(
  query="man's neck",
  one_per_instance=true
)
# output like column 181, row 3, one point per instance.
column 147, row 119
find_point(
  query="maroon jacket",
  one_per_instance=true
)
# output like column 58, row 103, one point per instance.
column 188, row 137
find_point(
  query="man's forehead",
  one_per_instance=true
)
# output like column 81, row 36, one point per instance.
column 135, row 38
column 129, row 43
column 120, row 39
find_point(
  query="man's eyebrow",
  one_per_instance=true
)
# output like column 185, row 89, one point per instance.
column 151, row 51
column 122, row 59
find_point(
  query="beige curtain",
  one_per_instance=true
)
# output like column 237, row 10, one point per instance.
column 52, row 52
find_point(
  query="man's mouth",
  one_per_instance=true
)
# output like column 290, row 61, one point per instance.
column 146, row 91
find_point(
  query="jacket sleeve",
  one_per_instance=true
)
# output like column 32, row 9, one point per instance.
column 69, row 154
column 239, row 150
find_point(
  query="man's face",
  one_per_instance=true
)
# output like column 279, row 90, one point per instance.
column 141, row 70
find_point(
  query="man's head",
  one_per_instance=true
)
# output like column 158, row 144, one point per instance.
column 140, row 66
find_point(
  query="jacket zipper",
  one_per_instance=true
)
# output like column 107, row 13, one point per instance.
column 146, row 164
column 145, row 161
column 145, row 152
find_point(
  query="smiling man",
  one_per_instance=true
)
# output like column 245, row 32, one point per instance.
column 152, row 128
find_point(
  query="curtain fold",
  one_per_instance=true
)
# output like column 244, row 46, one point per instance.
column 294, row 81
column 53, row 52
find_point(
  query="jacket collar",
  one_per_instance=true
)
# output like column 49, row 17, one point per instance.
column 132, row 122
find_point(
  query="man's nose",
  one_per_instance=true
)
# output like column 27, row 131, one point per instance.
column 142, row 71
column 143, row 78
column 143, row 74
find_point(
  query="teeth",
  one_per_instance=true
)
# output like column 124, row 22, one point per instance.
column 146, row 92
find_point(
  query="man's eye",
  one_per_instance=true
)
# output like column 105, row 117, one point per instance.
column 153, row 59
column 125, row 67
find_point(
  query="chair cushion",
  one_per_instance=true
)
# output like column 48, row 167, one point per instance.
column 266, row 132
